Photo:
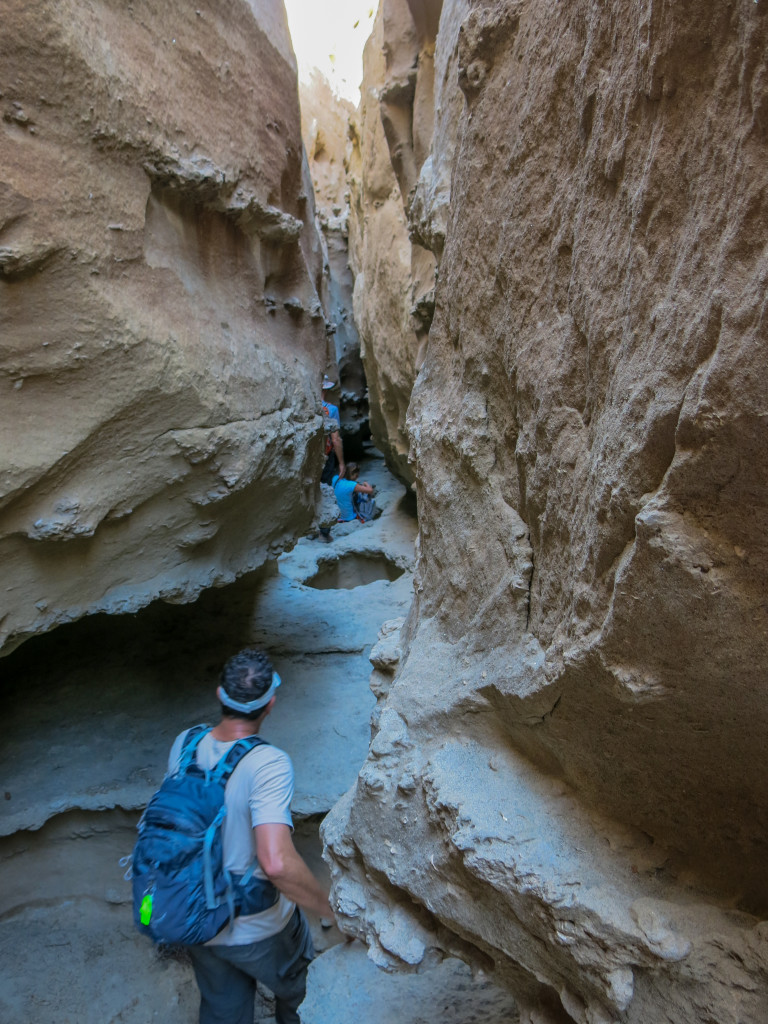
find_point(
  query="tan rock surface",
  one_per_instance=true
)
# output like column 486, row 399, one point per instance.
column 380, row 257
column 161, row 334
column 568, row 785
column 404, row 138
column 325, row 120
column 325, row 128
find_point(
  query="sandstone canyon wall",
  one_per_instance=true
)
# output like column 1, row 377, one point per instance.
column 567, row 785
column 162, row 333
column 324, row 126
column 399, row 198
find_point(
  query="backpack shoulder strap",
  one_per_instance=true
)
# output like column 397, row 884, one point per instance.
column 234, row 756
column 190, row 744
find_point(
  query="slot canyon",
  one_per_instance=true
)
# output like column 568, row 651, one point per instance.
column 527, row 706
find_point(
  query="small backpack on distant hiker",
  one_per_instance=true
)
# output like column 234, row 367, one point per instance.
column 365, row 507
column 182, row 893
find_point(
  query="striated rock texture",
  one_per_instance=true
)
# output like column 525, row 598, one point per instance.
column 161, row 332
column 399, row 174
column 324, row 125
column 379, row 255
column 567, row 786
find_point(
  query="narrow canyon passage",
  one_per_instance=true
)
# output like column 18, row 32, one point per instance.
column 532, row 265
column 91, row 710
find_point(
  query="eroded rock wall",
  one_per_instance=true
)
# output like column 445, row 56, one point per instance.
column 162, row 333
column 567, row 784
column 325, row 120
column 403, row 139
column 379, row 254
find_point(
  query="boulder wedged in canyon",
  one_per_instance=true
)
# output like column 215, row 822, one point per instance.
column 162, row 335
column 567, row 786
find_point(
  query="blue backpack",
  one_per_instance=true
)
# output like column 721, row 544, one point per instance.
column 182, row 893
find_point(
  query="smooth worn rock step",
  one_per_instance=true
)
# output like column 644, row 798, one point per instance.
column 344, row 987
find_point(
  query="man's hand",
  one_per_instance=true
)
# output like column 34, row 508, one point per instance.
column 285, row 868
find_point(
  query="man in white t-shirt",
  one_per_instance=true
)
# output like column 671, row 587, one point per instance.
column 274, row 946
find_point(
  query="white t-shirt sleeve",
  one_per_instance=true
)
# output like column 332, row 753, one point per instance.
column 272, row 791
column 175, row 755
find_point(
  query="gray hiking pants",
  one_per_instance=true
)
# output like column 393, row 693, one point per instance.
column 227, row 975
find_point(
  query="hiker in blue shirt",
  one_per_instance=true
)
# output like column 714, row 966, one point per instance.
column 346, row 488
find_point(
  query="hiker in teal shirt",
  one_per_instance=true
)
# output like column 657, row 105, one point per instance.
column 344, row 488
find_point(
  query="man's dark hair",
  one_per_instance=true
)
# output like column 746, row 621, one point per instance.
column 246, row 677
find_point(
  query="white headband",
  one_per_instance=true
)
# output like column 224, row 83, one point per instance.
column 252, row 705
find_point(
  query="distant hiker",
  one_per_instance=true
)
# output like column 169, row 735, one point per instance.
column 334, row 450
column 355, row 500
column 273, row 946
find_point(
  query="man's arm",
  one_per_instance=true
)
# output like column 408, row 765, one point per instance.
column 339, row 449
column 285, row 868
